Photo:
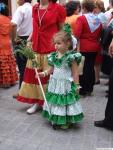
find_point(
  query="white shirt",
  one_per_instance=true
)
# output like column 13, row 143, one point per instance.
column 103, row 19
column 108, row 14
column 23, row 19
column 74, row 41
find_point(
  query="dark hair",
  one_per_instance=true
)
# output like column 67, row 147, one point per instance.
column 89, row 5
column 54, row 1
column 71, row 7
column 111, row 1
column 4, row 9
column 29, row 1
column 1, row 1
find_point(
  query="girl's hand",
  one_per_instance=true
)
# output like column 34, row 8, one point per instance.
column 40, row 74
column 29, row 44
column 78, row 89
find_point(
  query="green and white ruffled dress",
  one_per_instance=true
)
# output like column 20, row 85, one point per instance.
column 61, row 93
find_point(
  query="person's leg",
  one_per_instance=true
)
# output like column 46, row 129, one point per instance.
column 109, row 107
column 108, row 121
column 97, row 73
column 21, row 62
column 87, row 80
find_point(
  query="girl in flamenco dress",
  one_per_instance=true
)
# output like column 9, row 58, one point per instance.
column 63, row 107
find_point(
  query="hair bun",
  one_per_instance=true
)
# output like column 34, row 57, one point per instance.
column 67, row 28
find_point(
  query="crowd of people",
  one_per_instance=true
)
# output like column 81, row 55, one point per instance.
column 60, row 37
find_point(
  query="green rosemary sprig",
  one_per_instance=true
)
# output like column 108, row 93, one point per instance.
column 27, row 52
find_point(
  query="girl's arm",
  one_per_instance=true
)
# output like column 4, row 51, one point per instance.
column 75, row 75
column 75, row 72
column 46, row 72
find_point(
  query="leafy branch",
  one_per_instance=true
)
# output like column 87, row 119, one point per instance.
column 27, row 52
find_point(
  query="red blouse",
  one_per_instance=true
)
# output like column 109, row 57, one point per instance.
column 89, row 41
column 42, row 35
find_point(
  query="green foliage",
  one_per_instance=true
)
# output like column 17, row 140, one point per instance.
column 27, row 52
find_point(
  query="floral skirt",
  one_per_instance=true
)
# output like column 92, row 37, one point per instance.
column 8, row 73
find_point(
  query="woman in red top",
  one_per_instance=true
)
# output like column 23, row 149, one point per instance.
column 88, row 31
column 72, row 11
column 48, row 18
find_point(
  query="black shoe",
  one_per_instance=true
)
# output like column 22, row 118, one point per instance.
column 102, row 124
column 55, row 126
column 97, row 82
column 89, row 94
column 99, row 123
column 82, row 93
column 15, row 95
column 86, row 94
column 107, row 91
column 106, row 95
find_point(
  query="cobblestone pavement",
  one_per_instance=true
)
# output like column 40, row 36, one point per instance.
column 19, row 131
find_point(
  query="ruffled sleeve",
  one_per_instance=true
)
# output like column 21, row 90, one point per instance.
column 74, row 56
column 34, row 10
column 51, row 58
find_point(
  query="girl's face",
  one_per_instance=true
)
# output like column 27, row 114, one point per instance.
column 60, row 45
column 20, row 2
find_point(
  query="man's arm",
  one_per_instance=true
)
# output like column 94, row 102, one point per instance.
column 14, row 34
column 111, row 49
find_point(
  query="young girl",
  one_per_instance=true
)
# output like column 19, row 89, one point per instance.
column 62, row 91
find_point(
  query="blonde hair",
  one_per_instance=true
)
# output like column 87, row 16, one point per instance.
column 100, row 5
column 65, row 37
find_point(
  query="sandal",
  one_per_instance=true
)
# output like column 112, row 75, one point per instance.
column 64, row 127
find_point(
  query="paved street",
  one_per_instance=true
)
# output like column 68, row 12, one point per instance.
column 19, row 131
